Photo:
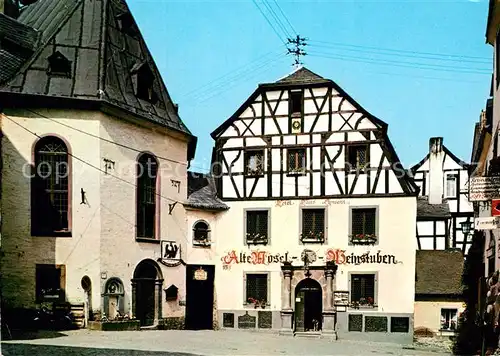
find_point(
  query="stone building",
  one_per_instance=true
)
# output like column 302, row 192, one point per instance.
column 95, row 164
column 321, row 218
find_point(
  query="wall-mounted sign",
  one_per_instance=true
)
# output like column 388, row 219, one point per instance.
column 280, row 203
column 200, row 275
column 170, row 253
column 255, row 257
column 341, row 257
column 340, row 298
column 484, row 188
column 487, row 223
column 495, row 207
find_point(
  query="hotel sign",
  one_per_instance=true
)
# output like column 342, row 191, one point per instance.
column 487, row 223
column 484, row 188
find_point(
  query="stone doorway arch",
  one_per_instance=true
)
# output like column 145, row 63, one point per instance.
column 308, row 305
column 146, row 292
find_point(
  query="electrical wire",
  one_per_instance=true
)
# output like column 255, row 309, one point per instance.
column 285, row 17
column 269, row 22
column 276, row 18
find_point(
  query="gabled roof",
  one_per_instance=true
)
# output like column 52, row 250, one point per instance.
column 103, row 54
column 449, row 153
column 425, row 210
column 439, row 272
column 202, row 193
column 302, row 75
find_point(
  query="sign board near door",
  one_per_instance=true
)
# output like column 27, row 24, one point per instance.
column 484, row 188
column 487, row 223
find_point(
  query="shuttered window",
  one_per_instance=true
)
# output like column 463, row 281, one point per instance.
column 363, row 289
column 256, row 288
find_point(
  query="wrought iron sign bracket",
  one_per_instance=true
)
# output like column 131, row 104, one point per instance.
column 171, row 207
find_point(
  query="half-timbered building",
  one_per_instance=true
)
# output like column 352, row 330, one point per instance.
column 321, row 218
column 443, row 202
column 97, row 157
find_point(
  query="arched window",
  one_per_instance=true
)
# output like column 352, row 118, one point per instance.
column 147, row 170
column 50, row 188
column 201, row 233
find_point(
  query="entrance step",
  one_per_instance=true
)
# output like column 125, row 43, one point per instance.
column 150, row 327
column 308, row 334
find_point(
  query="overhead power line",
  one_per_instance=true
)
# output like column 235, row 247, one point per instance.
column 269, row 22
column 339, row 44
column 285, row 17
column 276, row 18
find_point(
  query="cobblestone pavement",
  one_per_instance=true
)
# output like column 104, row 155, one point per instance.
column 196, row 343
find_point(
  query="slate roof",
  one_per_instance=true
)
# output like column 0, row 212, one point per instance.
column 439, row 272
column 102, row 53
column 302, row 76
column 202, row 193
column 427, row 210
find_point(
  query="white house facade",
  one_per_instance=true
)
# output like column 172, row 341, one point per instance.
column 321, row 217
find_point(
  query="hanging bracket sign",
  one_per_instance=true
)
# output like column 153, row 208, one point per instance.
column 484, row 188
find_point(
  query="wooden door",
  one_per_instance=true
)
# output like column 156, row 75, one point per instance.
column 299, row 311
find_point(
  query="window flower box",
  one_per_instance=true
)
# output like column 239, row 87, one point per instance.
column 312, row 237
column 256, row 239
column 363, row 303
column 257, row 303
column 363, row 239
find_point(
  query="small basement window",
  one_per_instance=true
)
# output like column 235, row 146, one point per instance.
column 59, row 65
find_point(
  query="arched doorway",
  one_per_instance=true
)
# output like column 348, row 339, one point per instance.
column 146, row 287
column 87, row 307
column 308, row 305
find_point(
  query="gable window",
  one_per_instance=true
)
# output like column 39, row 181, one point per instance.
column 451, row 185
column 296, row 161
column 363, row 226
column 257, row 227
column 127, row 24
column 254, row 163
column 296, row 103
column 357, row 157
column 50, row 188
column 313, row 225
column 147, row 169
column 449, row 319
column 256, row 288
column 59, row 65
column 143, row 81
column 363, row 290
column 49, row 282
column 201, row 233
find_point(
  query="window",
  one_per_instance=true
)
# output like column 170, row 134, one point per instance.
column 363, row 290
column 50, row 188
column 357, row 157
column 143, row 81
column 59, row 65
column 449, row 319
column 147, row 169
column 257, row 227
column 313, row 225
column 296, row 161
column 201, row 233
column 127, row 24
column 49, row 283
column 296, row 103
column 256, row 288
column 363, row 226
column 451, row 185
column 254, row 162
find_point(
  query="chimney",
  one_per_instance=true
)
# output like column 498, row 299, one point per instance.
column 436, row 176
column 10, row 8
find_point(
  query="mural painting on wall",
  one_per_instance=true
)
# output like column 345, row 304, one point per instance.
column 340, row 257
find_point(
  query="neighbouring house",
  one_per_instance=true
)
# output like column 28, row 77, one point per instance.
column 98, row 158
column 438, row 292
column 443, row 203
column 321, row 219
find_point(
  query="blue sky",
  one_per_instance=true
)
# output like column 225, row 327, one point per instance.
column 213, row 54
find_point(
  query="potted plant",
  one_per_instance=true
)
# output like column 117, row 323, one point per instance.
column 312, row 236
column 363, row 239
column 257, row 303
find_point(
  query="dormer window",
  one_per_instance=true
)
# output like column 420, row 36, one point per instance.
column 127, row 24
column 143, row 81
column 295, row 103
column 59, row 65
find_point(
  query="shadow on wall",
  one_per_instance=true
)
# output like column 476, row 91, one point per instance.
column 29, row 276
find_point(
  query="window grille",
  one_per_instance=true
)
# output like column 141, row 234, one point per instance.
column 357, row 157
column 254, row 163
column 147, row 168
column 257, row 227
column 51, row 185
column 362, row 290
column 256, row 288
column 313, row 225
column 296, row 160
column 363, row 228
